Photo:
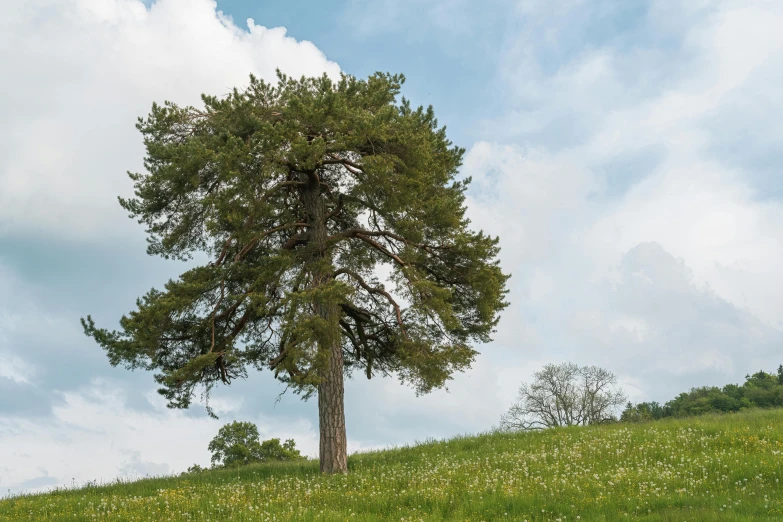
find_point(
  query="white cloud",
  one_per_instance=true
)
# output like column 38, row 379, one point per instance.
column 452, row 17
column 83, row 71
column 619, row 162
column 95, row 435
column 15, row 368
column 12, row 366
column 709, row 218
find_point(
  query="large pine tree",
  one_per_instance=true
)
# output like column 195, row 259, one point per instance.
column 300, row 192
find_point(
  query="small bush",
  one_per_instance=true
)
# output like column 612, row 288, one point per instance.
column 237, row 444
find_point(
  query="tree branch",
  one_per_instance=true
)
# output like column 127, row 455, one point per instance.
column 353, row 168
column 337, row 209
column 281, row 355
column 219, row 260
column 378, row 291
column 242, row 253
column 274, row 188
column 361, row 235
column 349, row 333
column 222, row 288
column 391, row 235
column 295, row 240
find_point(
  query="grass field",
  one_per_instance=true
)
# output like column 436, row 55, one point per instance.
column 726, row 468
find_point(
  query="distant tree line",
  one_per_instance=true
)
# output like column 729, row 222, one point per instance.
column 760, row 390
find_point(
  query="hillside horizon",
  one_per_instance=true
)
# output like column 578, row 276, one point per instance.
column 711, row 467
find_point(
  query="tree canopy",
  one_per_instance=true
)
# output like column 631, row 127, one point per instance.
column 238, row 443
column 564, row 395
column 335, row 224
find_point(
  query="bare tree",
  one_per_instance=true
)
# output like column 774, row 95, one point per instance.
column 564, row 395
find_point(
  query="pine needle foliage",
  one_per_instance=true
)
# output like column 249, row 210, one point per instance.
column 301, row 193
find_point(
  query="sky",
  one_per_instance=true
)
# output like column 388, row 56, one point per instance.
column 627, row 154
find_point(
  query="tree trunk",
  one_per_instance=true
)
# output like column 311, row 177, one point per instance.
column 331, row 391
column 331, row 415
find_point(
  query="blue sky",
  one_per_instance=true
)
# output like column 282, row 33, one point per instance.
column 449, row 65
column 626, row 153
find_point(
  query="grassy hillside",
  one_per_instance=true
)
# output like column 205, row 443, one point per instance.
column 707, row 468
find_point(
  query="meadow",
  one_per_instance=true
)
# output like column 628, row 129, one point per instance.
column 716, row 467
